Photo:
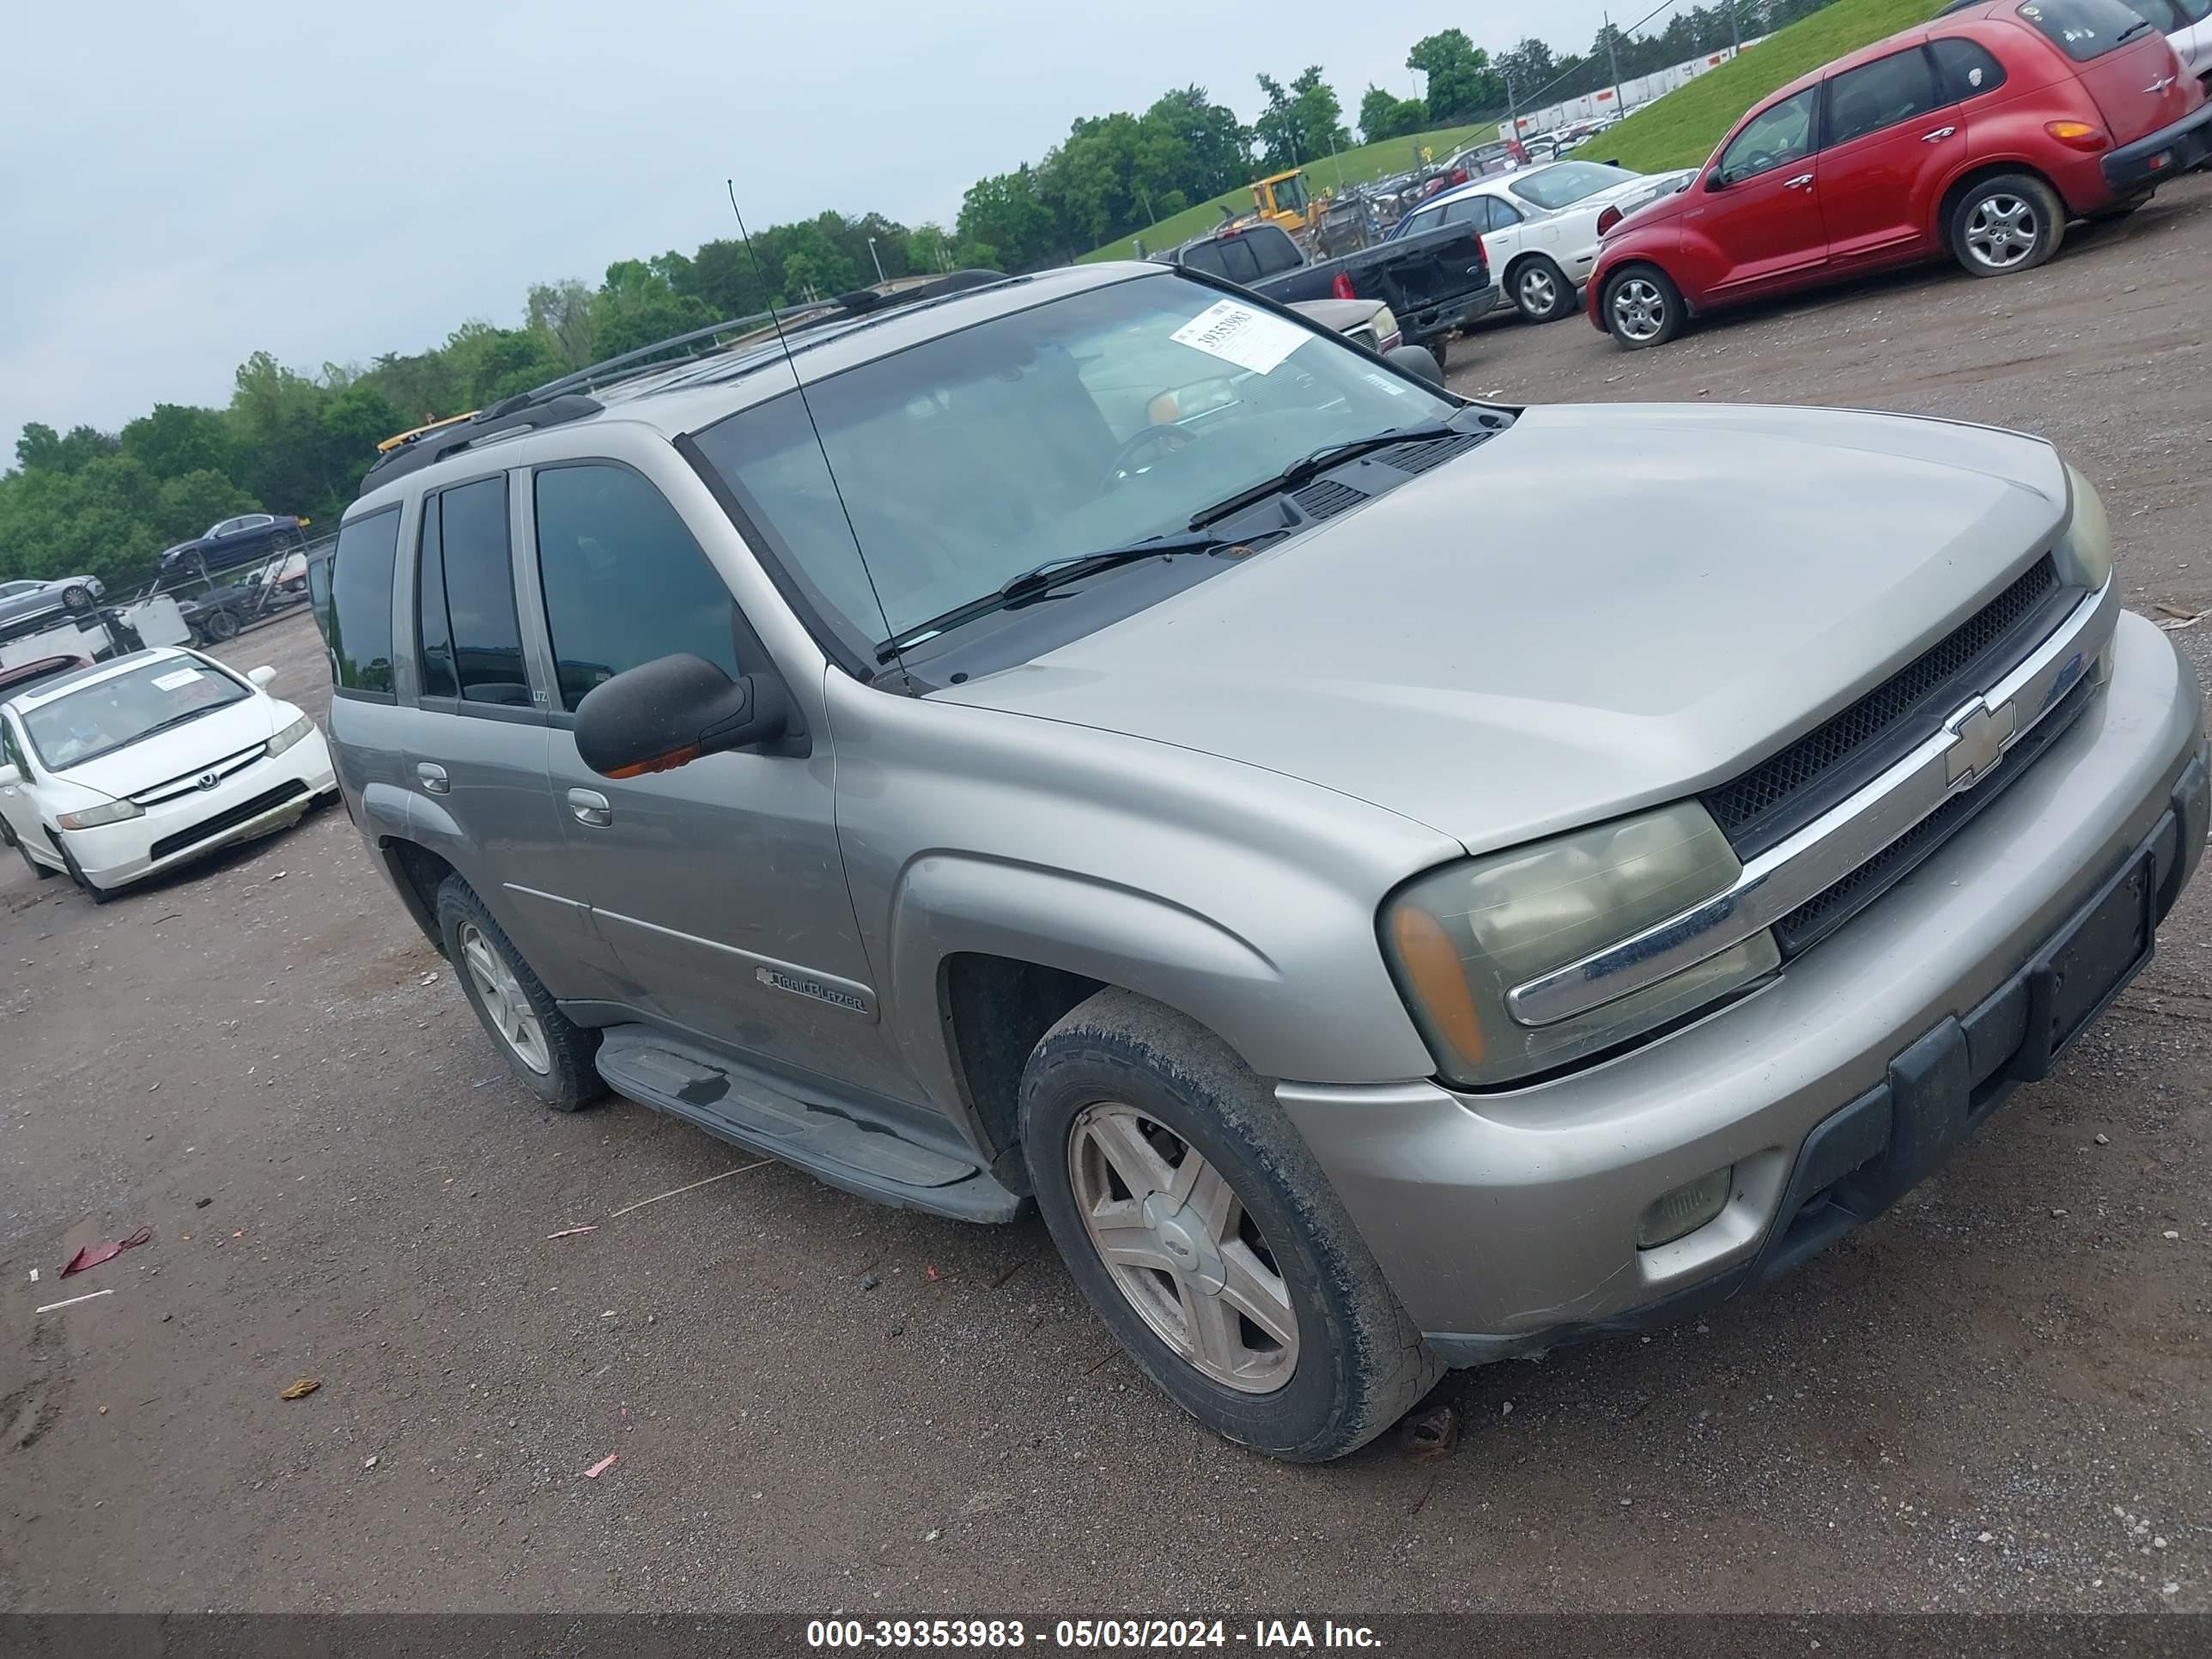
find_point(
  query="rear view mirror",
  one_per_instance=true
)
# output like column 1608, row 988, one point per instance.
column 1418, row 361
column 261, row 676
column 668, row 712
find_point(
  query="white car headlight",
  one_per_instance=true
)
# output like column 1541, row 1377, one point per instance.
column 290, row 735
column 92, row 818
column 1384, row 322
column 2084, row 552
column 1460, row 939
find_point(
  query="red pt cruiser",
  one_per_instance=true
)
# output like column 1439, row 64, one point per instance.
column 1978, row 135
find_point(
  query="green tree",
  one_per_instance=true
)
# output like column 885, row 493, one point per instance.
column 1301, row 122
column 637, row 307
column 1214, row 147
column 186, row 504
column 562, row 311
column 175, row 438
column 1461, row 85
column 1005, row 224
column 1382, row 114
column 43, row 449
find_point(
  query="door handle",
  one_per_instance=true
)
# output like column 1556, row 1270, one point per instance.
column 432, row 778
column 1798, row 183
column 591, row 807
column 1936, row 136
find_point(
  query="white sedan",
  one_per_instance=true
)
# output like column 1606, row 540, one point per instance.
column 1540, row 225
column 127, row 767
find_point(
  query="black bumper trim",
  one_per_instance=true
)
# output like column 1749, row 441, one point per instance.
column 1859, row 1160
column 2189, row 140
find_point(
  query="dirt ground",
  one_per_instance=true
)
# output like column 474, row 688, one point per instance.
column 1996, row 1397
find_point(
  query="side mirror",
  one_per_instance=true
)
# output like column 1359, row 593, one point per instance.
column 1716, row 179
column 668, row 712
column 261, row 676
column 10, row 776
column 1418, row 361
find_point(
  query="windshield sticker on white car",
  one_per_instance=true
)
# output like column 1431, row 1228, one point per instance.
column 1395, row 388
column 171, row 682
column 1237, row 334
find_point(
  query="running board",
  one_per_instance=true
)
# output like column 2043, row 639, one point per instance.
column 829, row 1143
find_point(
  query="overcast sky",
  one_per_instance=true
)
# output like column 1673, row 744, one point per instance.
column 182, row 186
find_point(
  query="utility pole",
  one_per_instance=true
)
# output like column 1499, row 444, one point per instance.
column 1736, row 39
column 1512, row 103
column 878, row 257
column 1612, row 58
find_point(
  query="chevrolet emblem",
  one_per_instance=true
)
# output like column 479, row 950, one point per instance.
column 1978, row 736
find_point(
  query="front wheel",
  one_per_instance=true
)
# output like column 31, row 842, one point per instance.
column 1642, row 306
column 1206, row 1237
column 1541, row 292
column 2010, row 223
column 220, row 625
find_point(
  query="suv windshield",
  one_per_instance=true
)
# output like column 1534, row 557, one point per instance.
column 1085, row 423
column 114, row 712
column 1569, row 181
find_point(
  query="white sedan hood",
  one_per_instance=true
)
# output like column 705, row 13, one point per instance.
column 183, row 749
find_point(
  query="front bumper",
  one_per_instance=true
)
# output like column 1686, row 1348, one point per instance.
column 2167, row 154
column 116, row 853
column 1506, row 1223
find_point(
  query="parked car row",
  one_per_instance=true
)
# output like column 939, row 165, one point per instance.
column 1977, row 137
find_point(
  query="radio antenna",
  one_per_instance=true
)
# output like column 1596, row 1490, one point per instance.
column 775, row 321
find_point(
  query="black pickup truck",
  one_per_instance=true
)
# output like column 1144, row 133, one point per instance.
column 1433, row 283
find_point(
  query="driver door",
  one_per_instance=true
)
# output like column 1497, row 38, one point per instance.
column 1758, row 225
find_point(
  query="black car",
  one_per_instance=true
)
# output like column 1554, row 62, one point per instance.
column 245, row 539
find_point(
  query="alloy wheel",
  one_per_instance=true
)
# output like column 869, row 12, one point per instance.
column 505, row 1003
column 1639, row 309
column 1182, row 1248
column 2003, row 231
column 1540, row 294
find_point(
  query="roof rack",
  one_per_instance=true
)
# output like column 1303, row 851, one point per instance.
column 565, row 398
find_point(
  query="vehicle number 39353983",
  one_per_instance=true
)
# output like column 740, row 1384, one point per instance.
column 1000, row 1634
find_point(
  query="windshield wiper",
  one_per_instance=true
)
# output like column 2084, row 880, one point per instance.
column 2133, row 30
column 1042, row 578
column 1320, row 460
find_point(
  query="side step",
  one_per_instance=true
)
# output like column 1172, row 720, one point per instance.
column 829, row 1142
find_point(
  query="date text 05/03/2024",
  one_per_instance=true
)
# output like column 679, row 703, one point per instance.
column 1000, row 1635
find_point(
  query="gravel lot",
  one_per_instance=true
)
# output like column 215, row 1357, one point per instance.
column 1996, row 1397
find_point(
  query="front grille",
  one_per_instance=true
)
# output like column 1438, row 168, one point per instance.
column 1784, row 792
column 1830, row 910
column 230, row 818
column 190, row 780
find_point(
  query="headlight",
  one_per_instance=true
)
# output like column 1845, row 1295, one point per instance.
column 2085, row 553
column 1460, row 939
column 93, row 816
column 1384, row 322
column 290, row 735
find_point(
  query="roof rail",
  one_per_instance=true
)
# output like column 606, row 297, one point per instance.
column 436, row 443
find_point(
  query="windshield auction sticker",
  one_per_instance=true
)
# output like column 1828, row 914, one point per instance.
column 1237, row 334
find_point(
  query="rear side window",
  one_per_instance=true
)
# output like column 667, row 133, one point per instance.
column 1273, row 250
column 1964, row 71
column 1879, row 95
column 1206, row 256
column 2084, row 29
column 624, row 581
column 356, row 616
column 472, row 641
column 1236, row 260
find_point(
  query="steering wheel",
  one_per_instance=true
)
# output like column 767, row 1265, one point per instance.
column 1167, row 439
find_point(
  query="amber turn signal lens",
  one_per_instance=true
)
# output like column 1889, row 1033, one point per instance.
column 2078, row 135
column 1426, row 951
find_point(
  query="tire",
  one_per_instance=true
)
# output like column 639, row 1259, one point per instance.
column 84, row 885
column 1123, row 1071
column 2005, row 225
column 42, row 871
column 555, row 1061
column 1438, row 349
column 1540, row 290
column 220, row 625
column 1642, row 308
column 77, row 598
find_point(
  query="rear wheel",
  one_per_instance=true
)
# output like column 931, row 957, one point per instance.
column 1642, row 306
column 2010, row 223
column 220, row 625
column 1541, row 291
column 548, row 1051
column 1206, row 1237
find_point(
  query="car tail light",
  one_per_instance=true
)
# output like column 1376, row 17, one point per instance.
column 2077, row 135
column 1608, row 220
column 1341, row 287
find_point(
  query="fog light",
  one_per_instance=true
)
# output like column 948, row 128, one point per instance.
column 1685, row 1210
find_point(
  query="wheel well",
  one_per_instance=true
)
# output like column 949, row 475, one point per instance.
column 1966, row 180
column 995, row 1008
column 417, row 873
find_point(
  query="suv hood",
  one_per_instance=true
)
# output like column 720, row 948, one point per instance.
column 1603, row 607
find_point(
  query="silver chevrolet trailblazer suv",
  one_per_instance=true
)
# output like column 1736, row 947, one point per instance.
column 1397, row 881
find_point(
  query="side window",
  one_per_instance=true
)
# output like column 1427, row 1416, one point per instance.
column 357, row 619
column 479, row 578
column 1502, row 214
column 1206, row 256
column 1238, row 263
column 10, row 751
column 1426, row 219
column 1964, row 69
column 1467, row 208
column 433, row 626
column 1879, row 95
column 1773, row 138
column 624, row 582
